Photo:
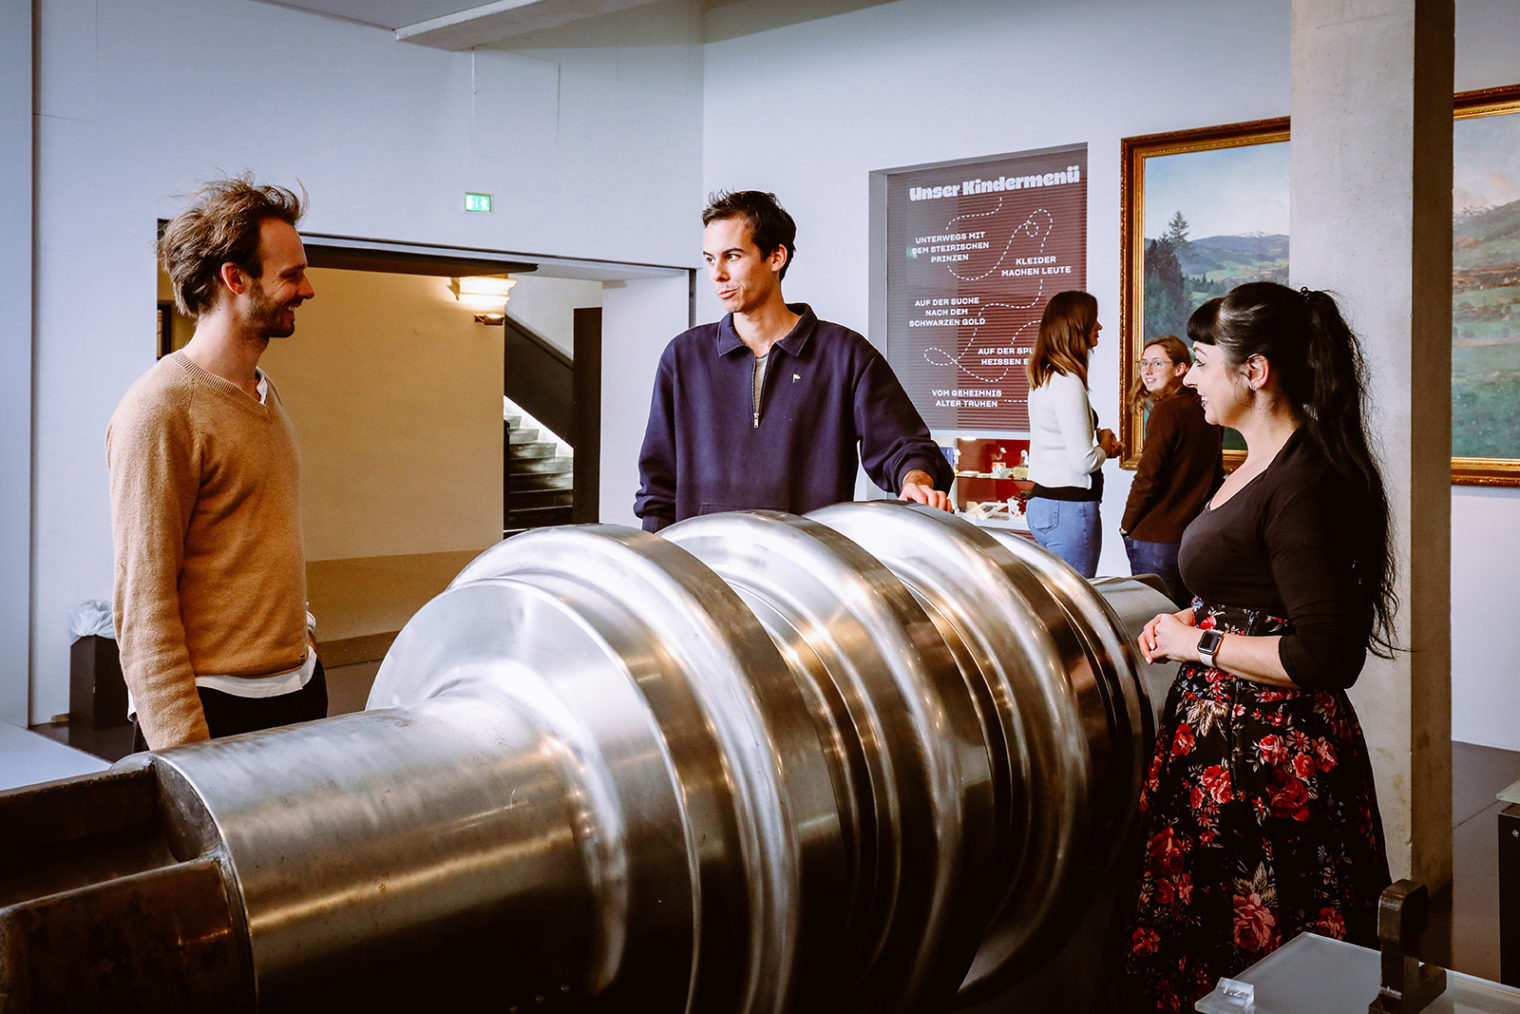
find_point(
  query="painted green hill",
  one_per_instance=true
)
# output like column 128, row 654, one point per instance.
column 1235, row 259
column 1486, row 238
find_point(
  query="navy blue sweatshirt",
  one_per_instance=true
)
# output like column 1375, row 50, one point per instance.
column 829, row 401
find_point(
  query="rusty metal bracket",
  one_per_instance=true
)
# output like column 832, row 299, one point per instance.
column 1409, row 985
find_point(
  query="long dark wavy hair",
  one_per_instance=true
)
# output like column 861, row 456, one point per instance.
column 1321, row 375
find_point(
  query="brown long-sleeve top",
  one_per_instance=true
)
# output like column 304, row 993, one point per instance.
column 1180, row 467
column 210, row 575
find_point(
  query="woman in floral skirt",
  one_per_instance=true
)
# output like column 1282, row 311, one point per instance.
column 1258, row 819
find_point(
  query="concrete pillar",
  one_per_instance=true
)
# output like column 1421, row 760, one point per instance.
column 15, row 360
column 1371, row 221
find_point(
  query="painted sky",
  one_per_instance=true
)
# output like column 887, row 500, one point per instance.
column 1225, row 192
column 1231, row 191
column 1486, row 162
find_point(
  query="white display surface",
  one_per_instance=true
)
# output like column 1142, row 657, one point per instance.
column 1017, row 524
column 27, row 758
column 1312, row 973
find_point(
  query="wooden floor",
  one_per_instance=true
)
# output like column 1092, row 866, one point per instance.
column 1471, row 905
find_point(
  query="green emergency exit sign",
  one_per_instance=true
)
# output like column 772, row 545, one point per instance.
column 477, row 202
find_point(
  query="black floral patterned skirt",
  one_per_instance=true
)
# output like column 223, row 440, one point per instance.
column 1258, row 821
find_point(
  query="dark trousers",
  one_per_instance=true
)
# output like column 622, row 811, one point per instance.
column 228, row 715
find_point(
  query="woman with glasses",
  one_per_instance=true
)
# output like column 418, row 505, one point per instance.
column 1066, row 449
column 1257, row 819
column 1181, row 464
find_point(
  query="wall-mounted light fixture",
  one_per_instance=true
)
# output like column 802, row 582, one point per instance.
column 486, row 294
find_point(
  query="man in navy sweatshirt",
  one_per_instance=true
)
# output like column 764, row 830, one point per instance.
column 770, row 407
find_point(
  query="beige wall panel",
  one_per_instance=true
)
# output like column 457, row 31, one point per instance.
column 396, row 396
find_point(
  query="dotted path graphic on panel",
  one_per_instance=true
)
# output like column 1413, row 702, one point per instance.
column 1037, row 227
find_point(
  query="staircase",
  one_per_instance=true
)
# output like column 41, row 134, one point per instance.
column 539, row 482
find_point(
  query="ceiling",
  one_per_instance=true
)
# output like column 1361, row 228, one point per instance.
column 459, row 24
column 462, row 24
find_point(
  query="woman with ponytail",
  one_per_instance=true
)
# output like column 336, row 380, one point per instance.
column 1258, row 819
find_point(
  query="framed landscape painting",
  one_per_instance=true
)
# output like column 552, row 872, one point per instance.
column 1203, row 211
column 1485, row 289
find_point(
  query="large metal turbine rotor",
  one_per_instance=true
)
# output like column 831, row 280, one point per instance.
column 873, row 759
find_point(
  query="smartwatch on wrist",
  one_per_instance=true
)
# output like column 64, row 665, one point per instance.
column 1208, row 646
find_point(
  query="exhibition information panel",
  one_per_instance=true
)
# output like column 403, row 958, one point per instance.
column 974, row 252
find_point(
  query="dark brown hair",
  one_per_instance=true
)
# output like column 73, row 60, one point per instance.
column 1065, row 337
column 1320, row 373
column 769, row 224
column 221, row 226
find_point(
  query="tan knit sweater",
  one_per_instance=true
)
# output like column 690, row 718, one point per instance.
column 205, row 518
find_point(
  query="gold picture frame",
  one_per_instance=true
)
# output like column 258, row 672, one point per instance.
column 1198, row 149
column 1485, row 278
column 1485, row 367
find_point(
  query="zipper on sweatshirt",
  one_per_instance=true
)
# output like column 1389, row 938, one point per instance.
column 757, row 385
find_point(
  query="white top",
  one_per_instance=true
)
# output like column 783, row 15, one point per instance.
column 1063, row 448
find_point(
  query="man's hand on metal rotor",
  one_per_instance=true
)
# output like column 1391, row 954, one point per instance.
column 918, row 487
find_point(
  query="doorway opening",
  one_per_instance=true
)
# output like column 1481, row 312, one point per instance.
column 398, row 395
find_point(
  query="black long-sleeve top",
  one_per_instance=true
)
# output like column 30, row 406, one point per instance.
column 1284, row 543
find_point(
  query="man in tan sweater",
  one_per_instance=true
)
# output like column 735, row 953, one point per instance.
column 210, row 594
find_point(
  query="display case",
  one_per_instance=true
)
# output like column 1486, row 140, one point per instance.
column 992, row 481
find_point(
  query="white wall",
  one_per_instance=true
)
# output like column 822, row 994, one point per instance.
column 1485, row 586
column 920, row 81
column 590, row 152
column 16, row 354
column 1485, row 523
column 546, row 306
column 638, row 319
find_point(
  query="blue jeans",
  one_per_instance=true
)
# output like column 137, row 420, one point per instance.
column 1069, row 529
column 1159, row 558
